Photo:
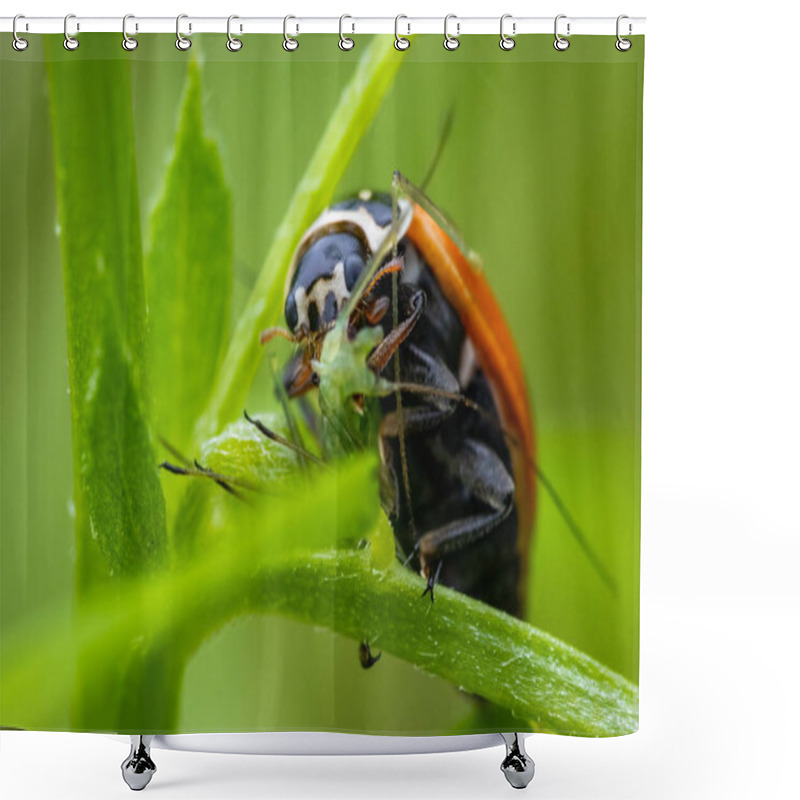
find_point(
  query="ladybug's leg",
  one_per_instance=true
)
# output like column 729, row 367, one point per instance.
column 413, row 306
column 485, row 477
column 365, row 655
column 426, row 372
column 299, row 377
column 372, row 308
column 270, row 333
column 395, row 265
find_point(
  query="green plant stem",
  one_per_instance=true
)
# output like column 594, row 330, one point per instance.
column 357, row 107
column 548, row 684
column 471, row 644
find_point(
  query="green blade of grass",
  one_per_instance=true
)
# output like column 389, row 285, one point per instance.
column 357, row 107
column 188, row 276
column 119, row 506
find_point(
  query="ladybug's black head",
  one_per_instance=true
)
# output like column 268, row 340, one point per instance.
column 330, row 259
column 326, row 275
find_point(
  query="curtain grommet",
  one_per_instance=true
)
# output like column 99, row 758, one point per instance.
column 560, row 43
column 70, row 42
column 290, row 43
column 622, row 44
column 507, row 42
column 346, row 43
column 400, row 42
column 181, row 41
column 451, row 43
column 129, row 43
column 233, row 44
column 18, row 43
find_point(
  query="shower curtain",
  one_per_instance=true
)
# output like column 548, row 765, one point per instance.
column 320, row 385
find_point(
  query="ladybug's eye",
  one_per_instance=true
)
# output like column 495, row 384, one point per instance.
column 353, row 267
column 290, row 312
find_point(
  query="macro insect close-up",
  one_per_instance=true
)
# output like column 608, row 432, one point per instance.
column 351, row 433
column 455, row 433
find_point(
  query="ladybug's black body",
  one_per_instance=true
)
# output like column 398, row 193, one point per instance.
column 486, row 568
column 457, row 515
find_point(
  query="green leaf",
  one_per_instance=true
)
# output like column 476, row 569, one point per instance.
column 120, row 525
column 119, row 505
column 357, row 107
column 188, row 275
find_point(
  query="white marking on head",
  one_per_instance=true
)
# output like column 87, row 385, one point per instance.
column 342, row 219
column 320, row 290
column 301, row 301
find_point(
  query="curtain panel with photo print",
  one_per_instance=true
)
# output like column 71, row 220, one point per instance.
column 320, row 393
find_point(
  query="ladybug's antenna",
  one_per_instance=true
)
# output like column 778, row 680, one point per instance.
column 398, row 394
column 229, row 484
column 226, row 482
column 576, row 531
column 405, row 187
column 561, row 507
column 444, row 135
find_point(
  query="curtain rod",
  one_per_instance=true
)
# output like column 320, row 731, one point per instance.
column 458, row 26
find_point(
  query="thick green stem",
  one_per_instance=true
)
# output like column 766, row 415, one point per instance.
column 278, row 559
column 471, row 644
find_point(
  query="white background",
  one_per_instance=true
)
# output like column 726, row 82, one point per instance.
column 720, row 696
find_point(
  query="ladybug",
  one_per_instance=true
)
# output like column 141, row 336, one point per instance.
column 458, row 459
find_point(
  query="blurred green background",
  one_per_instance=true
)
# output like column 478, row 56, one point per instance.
column 542, row 174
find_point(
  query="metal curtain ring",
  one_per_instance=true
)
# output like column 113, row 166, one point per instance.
column 506, row 42
column 18, row 43
column 623, row 45
column 70, row 42
column 128, row 42
column 233, row 44
column 400, row 42
column 290, row 44
column 560, row 44
column 345, row 42
column 451, row 42
column 181, row 42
